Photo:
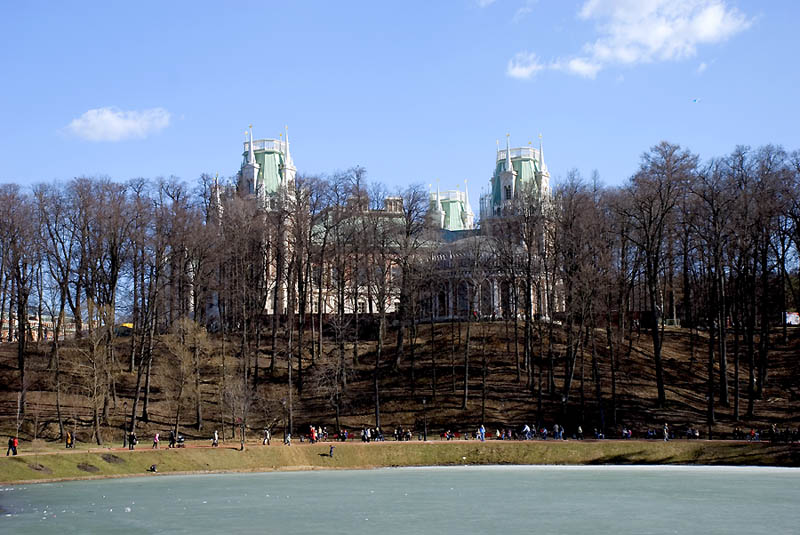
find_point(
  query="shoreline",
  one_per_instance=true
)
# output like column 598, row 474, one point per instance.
column 113, row 463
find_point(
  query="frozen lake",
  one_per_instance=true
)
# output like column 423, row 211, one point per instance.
column 462, row 500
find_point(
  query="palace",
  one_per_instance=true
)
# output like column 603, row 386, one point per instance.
column 463, row 276
column 466, row 276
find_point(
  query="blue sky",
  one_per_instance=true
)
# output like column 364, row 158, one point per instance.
column 413, row 91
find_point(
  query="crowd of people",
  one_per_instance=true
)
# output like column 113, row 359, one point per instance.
column 176, row 440
column 773, row 434
column 526, row 432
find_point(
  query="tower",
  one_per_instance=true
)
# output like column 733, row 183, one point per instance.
column 507, row 179
column 267, row 170
column 517, row 170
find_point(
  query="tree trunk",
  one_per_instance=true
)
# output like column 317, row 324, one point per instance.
column 722, row 318
column 434, row 301
column 378, row 354
column 710, row 391
column 198, row 407
column 736, row 371
column 466, row 357
column 652, row 286
column 484, row 373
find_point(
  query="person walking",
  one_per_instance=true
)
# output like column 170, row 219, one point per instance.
column 267, row 437
column 330, row 454
column 215, row 440
column 12, row 446
column 132, row 441
column 155, row 441
column 666, row 432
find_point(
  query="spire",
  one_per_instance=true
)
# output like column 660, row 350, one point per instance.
column 541, row 155
column 467, row 208
column 250, row 158
column 216, row 201
column 249, row 174
column 288, row 157
column 285, row 177
column 508, row 153
column 437, row 207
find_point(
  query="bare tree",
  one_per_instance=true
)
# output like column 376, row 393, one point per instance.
column 652, row 195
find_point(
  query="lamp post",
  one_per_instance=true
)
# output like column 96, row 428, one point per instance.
column 425, row 421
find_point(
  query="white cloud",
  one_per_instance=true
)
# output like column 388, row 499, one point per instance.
column 524, row 11
column 582, row 67
column 485, row 3
column 632, row 32
column 702, row 67
column 644, row 31
column 523, row 65
column 112, row 124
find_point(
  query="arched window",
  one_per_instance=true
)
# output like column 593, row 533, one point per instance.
column 508, row 193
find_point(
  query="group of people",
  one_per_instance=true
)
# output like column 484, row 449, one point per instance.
column 317, row 434
column 400, row 434
column 666, row 433
column 175, row 440
column 13, row 442
column 369, row 434
column 773, row 434
column 528, row 433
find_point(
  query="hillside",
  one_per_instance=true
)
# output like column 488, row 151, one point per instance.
column 509, row 403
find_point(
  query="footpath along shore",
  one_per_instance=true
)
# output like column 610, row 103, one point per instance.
column 97, row 463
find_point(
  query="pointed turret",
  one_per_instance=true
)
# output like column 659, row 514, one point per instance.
column 541, row 154
column 250, row 157
column 214, row 214
column 508, row 154
column 250, row 169
column 470, row 215
column 437, row 211
column 289, row 170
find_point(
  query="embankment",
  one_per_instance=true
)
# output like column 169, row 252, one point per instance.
column 121, row 463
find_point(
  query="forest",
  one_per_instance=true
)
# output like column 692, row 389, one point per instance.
column 237, row 316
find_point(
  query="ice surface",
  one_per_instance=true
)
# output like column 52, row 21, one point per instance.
column 507, row 499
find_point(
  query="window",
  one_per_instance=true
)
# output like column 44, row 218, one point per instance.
column 508, row 193
column 362, row 307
